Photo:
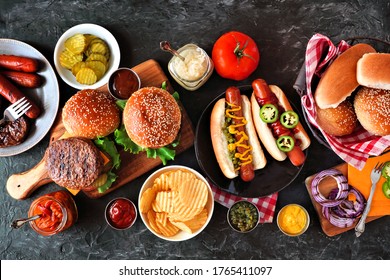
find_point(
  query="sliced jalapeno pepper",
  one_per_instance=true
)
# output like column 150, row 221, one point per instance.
column 269, row 113
column 289, row 119
column 386, row 188
column 386, row 170
column 285, row 143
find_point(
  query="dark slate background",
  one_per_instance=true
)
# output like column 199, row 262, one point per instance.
column 281, row 29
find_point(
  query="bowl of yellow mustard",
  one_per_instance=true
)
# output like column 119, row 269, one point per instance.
column 293, row 220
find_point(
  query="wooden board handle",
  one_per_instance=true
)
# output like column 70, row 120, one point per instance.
column 21, row 185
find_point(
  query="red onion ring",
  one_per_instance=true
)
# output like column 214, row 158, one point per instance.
column 342, row 185
column 345, row 214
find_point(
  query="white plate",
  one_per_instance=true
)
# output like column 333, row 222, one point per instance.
column 182, row 235
column 47, row 96
column 87, row 28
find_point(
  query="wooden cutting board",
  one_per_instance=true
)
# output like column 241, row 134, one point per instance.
column 20, row 186
column 325, row 187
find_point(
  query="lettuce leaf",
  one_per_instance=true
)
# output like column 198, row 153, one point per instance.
column 164, row 153
column 107, row 145
column 124, row 140
column 111, row 178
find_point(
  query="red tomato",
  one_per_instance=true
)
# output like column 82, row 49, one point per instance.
column 235, row 56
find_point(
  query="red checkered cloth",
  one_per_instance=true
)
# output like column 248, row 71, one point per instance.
column 357, row 147
column 265, row 204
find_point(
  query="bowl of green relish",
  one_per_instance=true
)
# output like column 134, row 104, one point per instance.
column 243, row 216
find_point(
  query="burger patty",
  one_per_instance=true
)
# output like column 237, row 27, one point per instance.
column 14, row 133
column 73, row 162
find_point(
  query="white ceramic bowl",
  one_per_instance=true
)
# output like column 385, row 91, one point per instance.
column 87, row 28
column 182, row 235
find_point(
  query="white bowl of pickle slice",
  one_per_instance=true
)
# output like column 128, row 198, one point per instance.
column 86, row 55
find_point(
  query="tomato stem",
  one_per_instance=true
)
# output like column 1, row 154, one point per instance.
column 239, row 52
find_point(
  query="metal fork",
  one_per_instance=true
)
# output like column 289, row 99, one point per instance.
column 375, row 176
column 16, row 110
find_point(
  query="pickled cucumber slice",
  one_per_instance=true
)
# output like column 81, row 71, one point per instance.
column 68, row 59
column 86, row 76
column 76, row 44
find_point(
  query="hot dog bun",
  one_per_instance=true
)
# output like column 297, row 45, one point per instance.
column 219, row 141
column 373, row 70
column 265, row 134
column 339, row 80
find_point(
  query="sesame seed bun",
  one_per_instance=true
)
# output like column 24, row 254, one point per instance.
column 337, row 121
column 152, row 117
column 372, row 107
column 90, row 114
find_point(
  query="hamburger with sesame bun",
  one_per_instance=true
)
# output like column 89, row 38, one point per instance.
column 90, row 114
column 89, row 117
column 151, row 123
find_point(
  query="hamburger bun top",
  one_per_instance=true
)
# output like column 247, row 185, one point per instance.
column 372, row 107
column 373, row 70
column 90, row 114
column 339, row 80
column 152, row 117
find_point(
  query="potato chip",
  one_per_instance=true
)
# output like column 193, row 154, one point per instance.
column 183, row 212
column 178, row 203
column 198, row 221
column 76, row 43
column 162, row 218
column 164, row 201
column 156, row 207
column 86, row 76
column 179, row 176
column 193, row 193
column 146, row 200
column 168, row 230
column 152, row 221
column 182, row 226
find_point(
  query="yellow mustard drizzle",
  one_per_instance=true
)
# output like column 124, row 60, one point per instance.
column 245, row 157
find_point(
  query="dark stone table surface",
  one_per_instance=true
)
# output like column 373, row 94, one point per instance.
column 281, row 29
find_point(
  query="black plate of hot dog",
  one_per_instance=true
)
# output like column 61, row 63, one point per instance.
column 275, row 176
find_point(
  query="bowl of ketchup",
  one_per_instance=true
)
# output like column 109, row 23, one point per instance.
column 121, row 213
column 123, row 82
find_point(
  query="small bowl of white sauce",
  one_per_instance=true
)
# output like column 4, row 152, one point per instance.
column 193, row 68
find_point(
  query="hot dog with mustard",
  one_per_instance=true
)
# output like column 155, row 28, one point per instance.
column 277, row 124
column 235, row 143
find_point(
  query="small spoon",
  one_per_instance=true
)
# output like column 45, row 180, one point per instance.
column 166, row 46
column 20, row 222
